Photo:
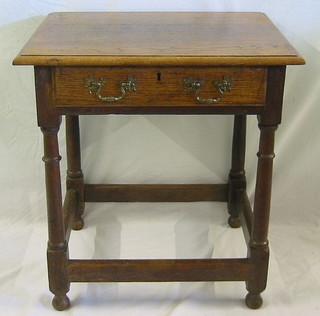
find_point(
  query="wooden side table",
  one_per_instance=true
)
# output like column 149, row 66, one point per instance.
column 158, row 63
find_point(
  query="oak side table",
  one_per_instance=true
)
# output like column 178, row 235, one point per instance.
column 158, row 63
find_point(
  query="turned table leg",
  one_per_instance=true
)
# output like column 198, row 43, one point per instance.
column 57, row 253
column 74, row 172
column 237, row 179
column 258, row 245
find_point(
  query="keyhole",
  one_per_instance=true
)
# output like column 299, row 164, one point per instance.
column 159, row 76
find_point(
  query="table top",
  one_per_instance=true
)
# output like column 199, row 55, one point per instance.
column 158, row 38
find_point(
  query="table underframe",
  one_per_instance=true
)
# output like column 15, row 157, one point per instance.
column 63, row 217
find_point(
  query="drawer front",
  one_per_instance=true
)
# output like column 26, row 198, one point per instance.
column 156, row 86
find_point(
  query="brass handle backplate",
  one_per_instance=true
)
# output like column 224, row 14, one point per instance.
column 95, row 86
column 195, row 86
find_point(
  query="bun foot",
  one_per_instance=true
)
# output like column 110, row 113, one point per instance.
column 234, row 222
column 254, row 301
column 61, row 302
column 78, row 223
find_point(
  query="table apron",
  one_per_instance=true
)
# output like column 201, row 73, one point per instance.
column 159, row 86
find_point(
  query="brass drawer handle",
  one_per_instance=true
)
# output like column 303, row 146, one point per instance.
column 95, row 87
column 222, row 86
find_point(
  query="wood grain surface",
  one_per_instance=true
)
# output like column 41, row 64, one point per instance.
column 160, row 86
column 184, row 38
